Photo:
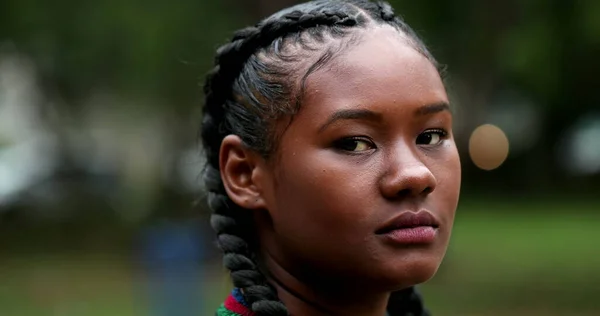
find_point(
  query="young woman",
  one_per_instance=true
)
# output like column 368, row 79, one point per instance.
column 332, row 170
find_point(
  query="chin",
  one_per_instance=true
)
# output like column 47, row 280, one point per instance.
column 408, row 271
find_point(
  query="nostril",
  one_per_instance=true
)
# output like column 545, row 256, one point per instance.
column 408, row 192
column 404, row 193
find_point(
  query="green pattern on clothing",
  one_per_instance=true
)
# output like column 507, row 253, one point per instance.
column 222, row 311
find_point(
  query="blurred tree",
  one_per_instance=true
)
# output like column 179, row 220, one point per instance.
column 156, row 53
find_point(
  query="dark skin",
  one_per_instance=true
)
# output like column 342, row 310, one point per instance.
column 373, row 139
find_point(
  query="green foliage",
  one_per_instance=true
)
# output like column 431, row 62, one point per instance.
column 154, row 48
column 154, row 54
column 158, row 47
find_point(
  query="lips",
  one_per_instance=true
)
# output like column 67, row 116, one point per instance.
column 409, row 220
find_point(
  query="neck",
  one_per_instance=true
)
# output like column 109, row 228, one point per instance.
column 321, row 298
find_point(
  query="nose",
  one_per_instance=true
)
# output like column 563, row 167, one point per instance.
column 407, row 175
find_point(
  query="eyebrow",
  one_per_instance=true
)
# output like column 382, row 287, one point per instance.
column 367, row 115
column 432, row 109
column 352, row 114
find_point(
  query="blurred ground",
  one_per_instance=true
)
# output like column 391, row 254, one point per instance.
column 520, row 259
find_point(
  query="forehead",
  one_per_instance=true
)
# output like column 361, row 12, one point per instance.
column 381, row 68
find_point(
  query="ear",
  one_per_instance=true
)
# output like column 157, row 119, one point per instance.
column 241, row 171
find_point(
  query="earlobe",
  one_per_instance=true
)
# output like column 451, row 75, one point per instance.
column 238, row 166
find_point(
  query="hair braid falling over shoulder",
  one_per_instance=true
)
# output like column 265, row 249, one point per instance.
column 239, row 74
column 231, row 237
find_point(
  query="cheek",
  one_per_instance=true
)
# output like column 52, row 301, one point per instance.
column 322, row 194
column 448, row 176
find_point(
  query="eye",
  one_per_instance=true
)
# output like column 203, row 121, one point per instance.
column 354, row 144
column 431, row 137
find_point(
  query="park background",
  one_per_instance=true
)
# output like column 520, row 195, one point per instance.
column 101, row 209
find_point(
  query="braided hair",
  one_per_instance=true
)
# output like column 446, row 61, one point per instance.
column 254, row 83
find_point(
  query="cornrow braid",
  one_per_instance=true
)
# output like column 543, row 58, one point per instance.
column 244, row 92
column 247, row 40
column 386, row 11
column 231, row 57
column 231, row 238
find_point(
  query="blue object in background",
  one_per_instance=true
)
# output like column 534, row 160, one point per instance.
column 172, row 254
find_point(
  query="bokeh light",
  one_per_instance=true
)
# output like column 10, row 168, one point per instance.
column 488, row 147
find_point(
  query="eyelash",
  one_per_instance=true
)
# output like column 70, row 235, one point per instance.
column 442, row 134
column 339, row 144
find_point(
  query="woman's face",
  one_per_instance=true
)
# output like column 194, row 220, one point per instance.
column 372, row 142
